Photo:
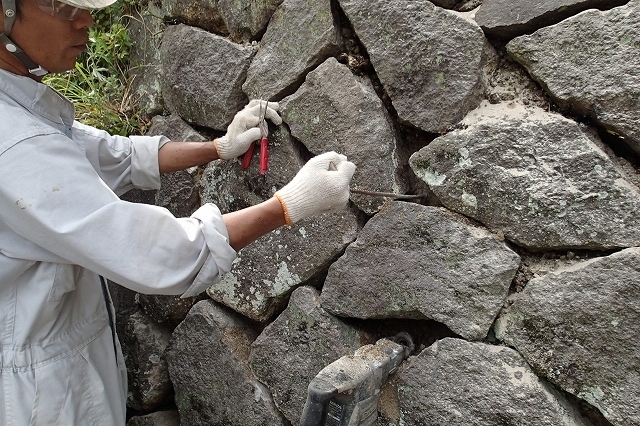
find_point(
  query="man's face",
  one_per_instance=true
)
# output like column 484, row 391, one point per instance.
column 50, row 41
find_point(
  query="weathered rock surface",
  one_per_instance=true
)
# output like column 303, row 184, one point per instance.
column 533, row 176
column 511, row 82
column 143, row 346
column 508, row 19
column 430, row 60
column 240, row 21
column 175, row 128
column 454, row 382
column 208, row 366
column 178, row 193
column 590, row 65
column 296, row 346
column 199, row 86
column 577, row 327
column 548, row 186
column 144, row 59
column 168, row 311
column 300, row 36
column 203, row 14
column 247, row 20
column 159, row 418
column 449, row 4
column 335, row 110
column 412, row 261
column 266, row 272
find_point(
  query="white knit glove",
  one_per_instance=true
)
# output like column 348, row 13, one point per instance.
column 321, row 186
column 244, row 130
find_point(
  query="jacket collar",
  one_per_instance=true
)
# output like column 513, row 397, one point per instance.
column 37, row 98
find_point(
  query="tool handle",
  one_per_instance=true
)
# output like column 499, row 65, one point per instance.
column 385, row 194
column 264, row 156
column 246, row 159
column 315, row 409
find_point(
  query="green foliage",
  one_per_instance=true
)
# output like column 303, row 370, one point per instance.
column 98, row 85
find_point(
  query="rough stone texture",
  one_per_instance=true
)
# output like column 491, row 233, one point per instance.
column 454, row 382
column 502, row 162
column 124, row 302
column 144, row 344
column 208, row 365
column 508, row 19
column 590, row 64
column 168, row 311
column 178, row 192
column 140, row 196
column 203, row 75
column 247, row 19
column 413, row 261
column 511, row 82
column 578, row 328
column 203, row 14
column 145, row 30
column 430, row 60
column 300, row 36
column 449, row 4
column 174, row 128
column 240, row 21
column 266, row 272
column 296, row 346
column 335, row 110
column 533, row 176
column 465, row 5
column 159, row 418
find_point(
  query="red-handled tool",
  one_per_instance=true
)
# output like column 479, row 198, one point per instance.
column 264, row 145
column 246, row 159
column 264, row 155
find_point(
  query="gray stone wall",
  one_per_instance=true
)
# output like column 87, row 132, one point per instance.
column 516, row 271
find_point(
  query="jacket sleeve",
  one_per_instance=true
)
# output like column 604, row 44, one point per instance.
column 123, row 163
column 55, row 200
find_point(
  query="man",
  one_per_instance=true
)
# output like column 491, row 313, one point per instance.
column 63, row 227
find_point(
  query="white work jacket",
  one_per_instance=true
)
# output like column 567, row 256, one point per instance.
column 61, row 227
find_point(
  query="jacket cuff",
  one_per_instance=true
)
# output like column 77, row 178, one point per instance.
column 221, row 254
column 145, row 171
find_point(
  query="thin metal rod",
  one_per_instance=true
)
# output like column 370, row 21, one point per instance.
column 386, row 194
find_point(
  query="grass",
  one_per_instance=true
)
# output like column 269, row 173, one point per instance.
column 98, row 86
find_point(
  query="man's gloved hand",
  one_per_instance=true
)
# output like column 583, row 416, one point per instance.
column 244, row 130
column 321, row 186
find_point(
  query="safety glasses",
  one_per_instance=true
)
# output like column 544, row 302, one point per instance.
column 59, row 10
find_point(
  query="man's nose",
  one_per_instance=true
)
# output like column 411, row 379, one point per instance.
column 83, row 19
